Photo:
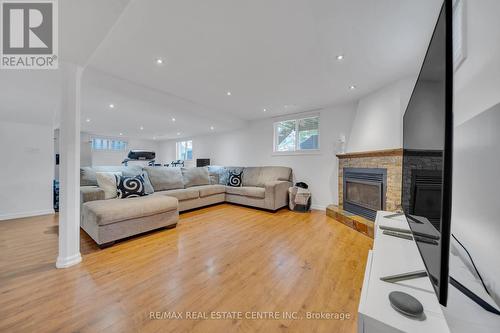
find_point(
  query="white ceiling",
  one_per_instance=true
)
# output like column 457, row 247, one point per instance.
column 84, row 24
column 136, row 106
column 267, row 53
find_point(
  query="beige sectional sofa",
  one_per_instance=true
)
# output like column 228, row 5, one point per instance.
column 175, row 189
column 106, row 221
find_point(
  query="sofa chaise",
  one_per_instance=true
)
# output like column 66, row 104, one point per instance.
column 175, row 190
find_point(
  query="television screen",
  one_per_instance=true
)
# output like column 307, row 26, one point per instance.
column 427, row 139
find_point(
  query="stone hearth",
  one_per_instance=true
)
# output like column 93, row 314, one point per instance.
column 355, row 222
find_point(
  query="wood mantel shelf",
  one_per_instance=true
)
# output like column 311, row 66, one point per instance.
column 373, row 153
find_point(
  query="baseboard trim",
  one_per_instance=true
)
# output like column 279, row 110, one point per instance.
column 4, row 217
column 68, row 261
column 318, row 207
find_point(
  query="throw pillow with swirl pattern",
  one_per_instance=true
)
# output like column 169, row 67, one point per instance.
column 130, row 187
column 234, row 179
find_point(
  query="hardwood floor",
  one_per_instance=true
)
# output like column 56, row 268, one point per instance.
column 219, row 259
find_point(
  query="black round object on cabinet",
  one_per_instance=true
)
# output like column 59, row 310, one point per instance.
column 406, row 304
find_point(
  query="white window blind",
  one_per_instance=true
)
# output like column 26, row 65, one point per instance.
column 296, row 135
column 105, row 144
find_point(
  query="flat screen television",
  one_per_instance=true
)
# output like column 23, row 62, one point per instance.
column 427, row 162
column 427, row 155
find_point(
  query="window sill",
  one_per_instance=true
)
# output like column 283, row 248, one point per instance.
column 297, row 153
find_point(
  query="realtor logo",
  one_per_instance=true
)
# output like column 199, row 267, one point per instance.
column 29, row 34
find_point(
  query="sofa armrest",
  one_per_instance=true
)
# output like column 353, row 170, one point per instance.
column 277, row 194
column 90, row 193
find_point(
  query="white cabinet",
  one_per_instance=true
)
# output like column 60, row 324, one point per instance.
column 391, row 255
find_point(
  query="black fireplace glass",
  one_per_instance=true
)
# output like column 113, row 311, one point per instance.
column 364, row 191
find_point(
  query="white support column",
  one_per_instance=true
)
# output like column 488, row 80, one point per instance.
column 69, row 203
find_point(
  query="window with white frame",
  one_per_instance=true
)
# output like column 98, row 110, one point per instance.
column 296, row 135
column 106, row 144
column 184, row 150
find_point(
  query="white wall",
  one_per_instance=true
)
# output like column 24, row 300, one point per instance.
column 475, row 218
column 27, row 169
column 476, row 186
column 168, row 152
column 85, row 150
column 96, row 158
column 253, row 146
column 379, row 116
column 477, row 80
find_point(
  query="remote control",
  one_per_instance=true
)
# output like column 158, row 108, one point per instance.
column 406, row 231
column 394, row 215
column 425, row 240
column 397, row 234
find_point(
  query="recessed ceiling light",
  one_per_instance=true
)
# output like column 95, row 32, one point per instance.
column 173, row 119
column 212, row 128
column 340, row 57
column 264, row 110
column 87, row 120
column 228, row 93
column 121, row 134
column 178, row 133
column 141, row 128
column 159, row 61
column 154, row 137
column 111, row 106
column 352, row 87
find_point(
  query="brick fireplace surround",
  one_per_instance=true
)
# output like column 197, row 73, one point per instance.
column 390, row 159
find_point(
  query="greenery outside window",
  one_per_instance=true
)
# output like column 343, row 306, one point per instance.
column 296, row 135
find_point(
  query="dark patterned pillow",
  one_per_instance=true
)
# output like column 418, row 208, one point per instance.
column 234, row 179
column 224, row 173
column 129, row 187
